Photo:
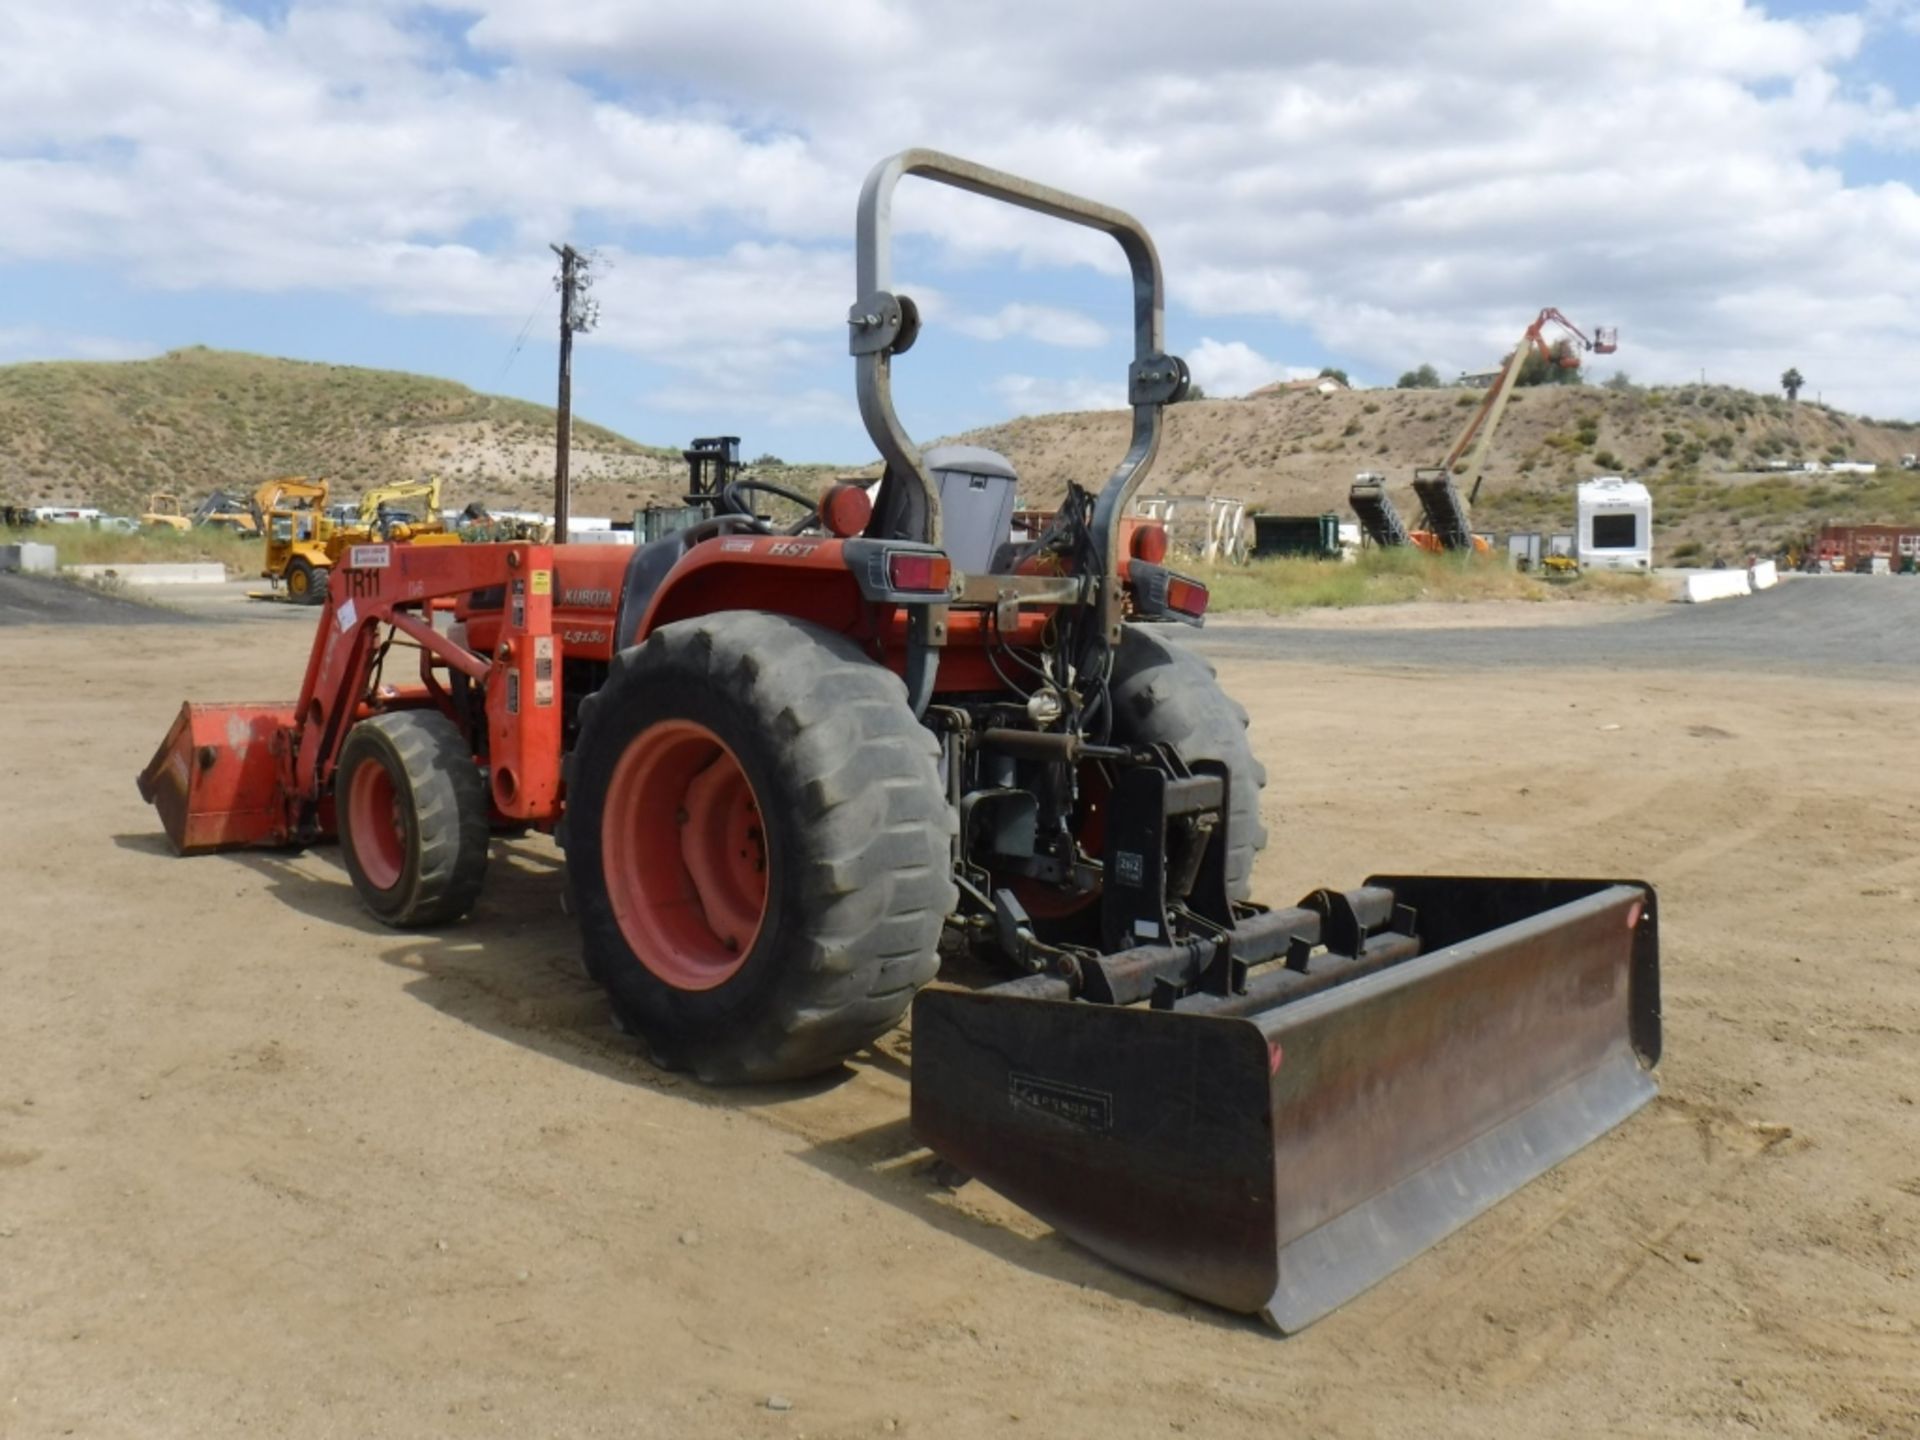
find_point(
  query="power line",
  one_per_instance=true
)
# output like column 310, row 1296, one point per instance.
column 519, row 343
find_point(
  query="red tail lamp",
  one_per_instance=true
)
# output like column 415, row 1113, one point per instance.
column 1186, row 597
column 1149, row 543
column 845, row 509
column 919, row 571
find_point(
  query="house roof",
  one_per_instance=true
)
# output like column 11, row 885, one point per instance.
column 1313, row 382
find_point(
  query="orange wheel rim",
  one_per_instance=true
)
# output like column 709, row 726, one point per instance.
column 374, row 827
column 684, row 852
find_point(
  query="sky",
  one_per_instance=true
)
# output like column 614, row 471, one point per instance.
column 1372, row 185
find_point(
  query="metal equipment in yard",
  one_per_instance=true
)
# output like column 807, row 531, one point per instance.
column 1379, row 519
column 1446, row 522
column 1313, row 537
column 783, row 759
column 163, row 513
column 1209, row 528
column 304, row 542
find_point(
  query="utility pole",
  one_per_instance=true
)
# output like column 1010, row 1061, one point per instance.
column 577, row 315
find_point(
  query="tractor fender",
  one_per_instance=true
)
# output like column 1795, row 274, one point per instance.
column 802, row 576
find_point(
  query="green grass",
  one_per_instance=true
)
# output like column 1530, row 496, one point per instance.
column 1392, row 577
column 83, row 545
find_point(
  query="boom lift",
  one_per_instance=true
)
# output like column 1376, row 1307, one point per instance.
column 1446, row 522
column 782, row 758
column 1470, row 449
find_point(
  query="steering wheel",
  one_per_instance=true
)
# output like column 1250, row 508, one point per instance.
column 812, row 517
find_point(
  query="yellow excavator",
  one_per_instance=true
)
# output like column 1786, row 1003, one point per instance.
column 406, row 511
column 303, row 544
column 221, row 511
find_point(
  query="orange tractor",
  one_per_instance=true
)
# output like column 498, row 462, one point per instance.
column 783, row 759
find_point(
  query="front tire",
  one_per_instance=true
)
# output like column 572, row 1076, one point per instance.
column 306, row 582
column 759, row 846
column 412, row 813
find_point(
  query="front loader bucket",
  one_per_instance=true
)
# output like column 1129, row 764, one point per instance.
column 1275, row 1140
column 215, row 778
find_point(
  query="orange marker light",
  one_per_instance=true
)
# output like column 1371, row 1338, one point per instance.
column 845, row 509
column 1149, row 543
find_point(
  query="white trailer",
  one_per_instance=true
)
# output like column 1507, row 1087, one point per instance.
column 1613, row 527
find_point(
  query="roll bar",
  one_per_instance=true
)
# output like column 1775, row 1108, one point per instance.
column 882, row 325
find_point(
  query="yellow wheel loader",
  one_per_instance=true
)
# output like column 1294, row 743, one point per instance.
column 163, row 513
column 303, row 546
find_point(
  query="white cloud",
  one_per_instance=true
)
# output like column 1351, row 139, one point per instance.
column 1405, row 182
column 36, row 342
column 1226, row 368
column 1040, row 395
column 1048, row 324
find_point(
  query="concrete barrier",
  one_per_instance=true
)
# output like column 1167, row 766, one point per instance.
column 27, row 557
column 211, row 573
column 1704, row 585
column 1763, row 575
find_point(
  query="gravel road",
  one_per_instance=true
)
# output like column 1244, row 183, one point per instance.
column 1817, row 626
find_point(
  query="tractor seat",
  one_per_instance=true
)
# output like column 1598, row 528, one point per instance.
column 976, row 487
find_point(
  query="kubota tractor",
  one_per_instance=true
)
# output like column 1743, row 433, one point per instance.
column 783, row 759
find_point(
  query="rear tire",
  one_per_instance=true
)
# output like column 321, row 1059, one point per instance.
column 306, row 582
column 1162, row 694
column 412, row 814
column 1165, row 694
column 791, row 746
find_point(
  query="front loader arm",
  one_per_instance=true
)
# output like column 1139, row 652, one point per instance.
column 229, row 776
column 399, row 588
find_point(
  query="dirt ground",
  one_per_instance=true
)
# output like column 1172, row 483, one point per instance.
column 268, row 1169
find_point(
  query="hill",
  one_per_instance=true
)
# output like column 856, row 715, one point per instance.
column 107, row 434
column 1700, row 448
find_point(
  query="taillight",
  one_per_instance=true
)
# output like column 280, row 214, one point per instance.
column 1158, row 592
column 1149, row 543
column 1186, row 597
column 919, row 571
column 845, row 510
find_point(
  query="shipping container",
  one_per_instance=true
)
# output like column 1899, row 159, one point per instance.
column 1317, row 536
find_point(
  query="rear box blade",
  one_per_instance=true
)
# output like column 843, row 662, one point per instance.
column 1280, row 1163
column 215, row 778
